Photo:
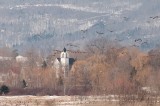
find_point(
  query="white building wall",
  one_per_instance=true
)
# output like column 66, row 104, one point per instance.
column 65, row 62
column 65, row 66
column 21, row 59
column 57, row 67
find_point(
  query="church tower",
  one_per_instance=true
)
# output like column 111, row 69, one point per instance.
column 64, row 60
column 63, row 64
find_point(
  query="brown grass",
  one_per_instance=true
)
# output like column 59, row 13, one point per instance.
column 72, row 101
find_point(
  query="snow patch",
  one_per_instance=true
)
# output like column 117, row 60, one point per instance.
column 79, row 8
column 87, row 25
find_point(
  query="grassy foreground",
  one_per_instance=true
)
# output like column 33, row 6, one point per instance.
column 74, row 101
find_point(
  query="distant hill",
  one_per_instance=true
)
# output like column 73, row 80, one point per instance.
column 55, row 23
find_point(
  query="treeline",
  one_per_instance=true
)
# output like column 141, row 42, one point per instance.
column 112, row 69
column 107, row 68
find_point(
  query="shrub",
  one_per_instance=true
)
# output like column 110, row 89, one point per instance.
column 4, row 89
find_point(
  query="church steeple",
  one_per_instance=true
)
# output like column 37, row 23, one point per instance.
column 64, row 53
column 64, row 50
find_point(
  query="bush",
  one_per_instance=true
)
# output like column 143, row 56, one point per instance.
column 4, row 89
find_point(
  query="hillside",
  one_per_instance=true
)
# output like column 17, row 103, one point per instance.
column 55, row 23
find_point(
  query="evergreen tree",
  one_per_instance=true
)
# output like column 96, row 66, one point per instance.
column 4, row 89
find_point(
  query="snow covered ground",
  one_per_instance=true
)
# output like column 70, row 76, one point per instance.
column 49, row 100
column 53, row 100
column 110, row 100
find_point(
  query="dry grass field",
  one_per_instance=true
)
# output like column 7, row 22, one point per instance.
column 71, row 101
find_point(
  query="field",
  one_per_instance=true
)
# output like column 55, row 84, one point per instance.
column 110, row 100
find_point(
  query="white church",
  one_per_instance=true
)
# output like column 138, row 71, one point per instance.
column 63, row 64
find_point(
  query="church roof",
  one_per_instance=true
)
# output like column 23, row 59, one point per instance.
column 71, row 60
column 59, row 59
